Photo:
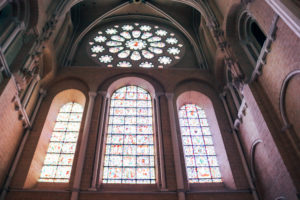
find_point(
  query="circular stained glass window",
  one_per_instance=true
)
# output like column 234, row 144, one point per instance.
column 136, row 45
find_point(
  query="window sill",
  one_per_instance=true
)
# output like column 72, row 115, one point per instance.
column 129, row 187
column 206, row 186
column 51, row 186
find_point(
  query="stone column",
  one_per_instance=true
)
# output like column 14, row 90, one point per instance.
column 175, row 143
column 233, row 94
column 101, row 133
column 160, row 142
column 4, row 66
column 19, row 26
column 30, row 90
column 240, row 150
column 7, row 31
column 2, row 69
column 83, row 145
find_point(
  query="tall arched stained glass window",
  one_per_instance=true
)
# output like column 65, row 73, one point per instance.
column 60, row 154
column 129, row 154
column 200, row 157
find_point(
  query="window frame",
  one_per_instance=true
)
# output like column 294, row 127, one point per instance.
column 53, row 104
column 153, row 133
column 63, row 141
column 206, row 155
column 204, row 102
column 248, row 41
column 102, row 134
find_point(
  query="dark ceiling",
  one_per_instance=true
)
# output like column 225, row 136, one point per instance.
column 84, row 13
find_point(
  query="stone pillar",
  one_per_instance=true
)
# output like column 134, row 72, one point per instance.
column 101, row 132
column 175, row 143
column 4, row 66
column 30, row 90
column 83, row 145
column 233, row 94
column 7, row 31
column 160, row 142
column 20, row 26
column 240, row 150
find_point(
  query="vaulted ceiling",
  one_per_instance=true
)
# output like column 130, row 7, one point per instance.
column 183, row 17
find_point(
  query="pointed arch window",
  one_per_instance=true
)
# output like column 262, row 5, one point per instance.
column 251, row 36
column 199, row 152
column 129, row 154
column 60, row 154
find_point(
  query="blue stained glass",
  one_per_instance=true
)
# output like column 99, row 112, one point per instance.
column 129, row 152
column 200, row 157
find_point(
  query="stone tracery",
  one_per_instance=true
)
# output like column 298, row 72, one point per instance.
column 136, row 44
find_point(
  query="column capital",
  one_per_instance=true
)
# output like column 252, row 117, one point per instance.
column 223, row 94
column 43, row 92
column 92, row 94
column 169, row 95
column 103, row 93
column 158, row 94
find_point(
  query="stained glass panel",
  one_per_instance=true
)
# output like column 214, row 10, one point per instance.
column 200, row 157
column 60, row 154
column 129, row 152
column 135, row 45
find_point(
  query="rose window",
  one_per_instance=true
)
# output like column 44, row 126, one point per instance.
column 136, row 45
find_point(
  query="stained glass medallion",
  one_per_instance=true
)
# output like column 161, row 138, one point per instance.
column 60, row 154
column 129, row 153
column 199, row 152
column 136, row 44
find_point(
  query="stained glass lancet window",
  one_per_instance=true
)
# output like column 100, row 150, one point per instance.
column 129, row 154
column 60, row 154
column 199, row 152
column 136, row 45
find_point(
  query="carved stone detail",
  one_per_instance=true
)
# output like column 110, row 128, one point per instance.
column 229, row 59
